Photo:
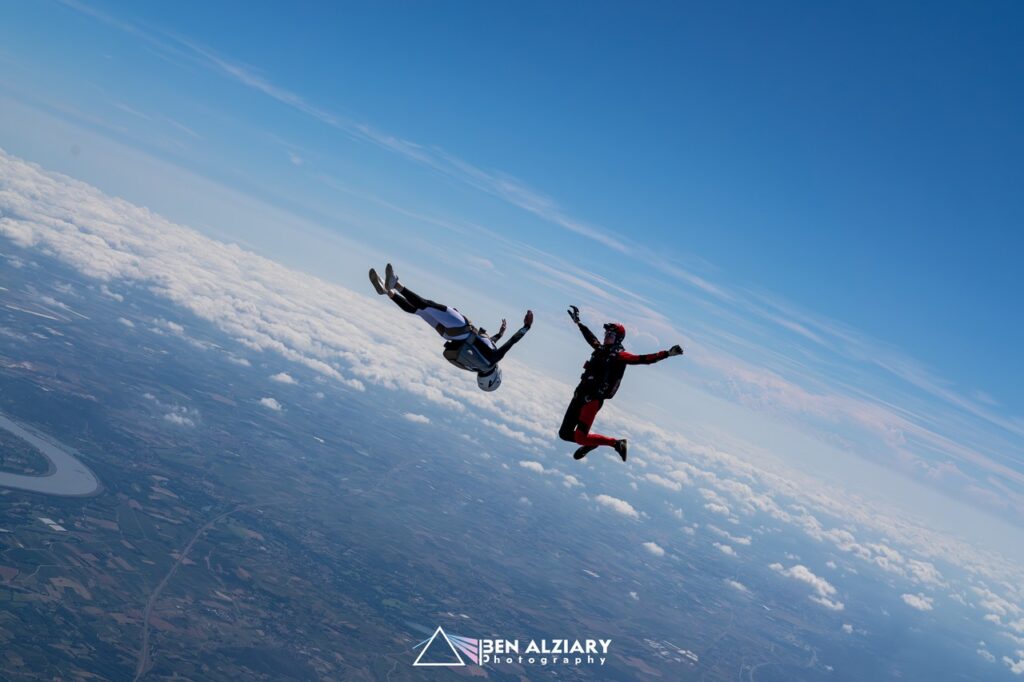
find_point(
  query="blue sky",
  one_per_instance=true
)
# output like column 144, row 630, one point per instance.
column 821, row 201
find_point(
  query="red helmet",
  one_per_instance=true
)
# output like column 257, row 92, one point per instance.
column 617, row 329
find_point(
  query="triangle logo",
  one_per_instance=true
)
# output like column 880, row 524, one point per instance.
column 439, row 651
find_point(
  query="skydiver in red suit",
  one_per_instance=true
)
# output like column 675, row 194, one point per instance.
column 601, row 376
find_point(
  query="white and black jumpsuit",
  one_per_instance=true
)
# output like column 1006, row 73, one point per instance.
column 465, row 345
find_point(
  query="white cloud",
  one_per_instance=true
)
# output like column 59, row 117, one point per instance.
column 681, row 475
column 110, row 294
column 918, row 601
column 170, row 326
column 736, row 585
column 179, row 415
column 416, row 418
column 847, row 628
column 992, row 602
column 270, row 404
column 617, row 505
column 830, row 604
column 654, row 548
column 824, row 589
column 283, row 378
column 126, row 322
column 925, row 572
column 987, row 655
column 634, row 596
column 711, row 495
column 886, row 557
column 804, row 574
column 664, row 482
column 508, row 432
column 179, row 419
column 1016, row 667
column 1019, row 641
column 568, row 480
column 54, row 303
column 736, row 540
column 725, row 549
column 718, row 508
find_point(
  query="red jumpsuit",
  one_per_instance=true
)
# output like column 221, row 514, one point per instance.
column 599, row 382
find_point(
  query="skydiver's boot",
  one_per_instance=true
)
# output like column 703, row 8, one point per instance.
column 620, row 447
column 583, row 451
column 391, row 279
column 378, row 285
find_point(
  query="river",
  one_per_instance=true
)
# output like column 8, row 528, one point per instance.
column 67, row 476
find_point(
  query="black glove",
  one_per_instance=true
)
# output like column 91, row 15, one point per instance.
column 528, row 319
column 675, row 350
column 574, row 313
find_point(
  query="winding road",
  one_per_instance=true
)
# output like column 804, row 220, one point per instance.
column 143, row 663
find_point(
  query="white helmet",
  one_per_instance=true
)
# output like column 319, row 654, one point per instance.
column 489, row 381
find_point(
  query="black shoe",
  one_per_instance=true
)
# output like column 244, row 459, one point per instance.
column 390, row 278
column 378, row 284
column 582, row 452
column 620, row 447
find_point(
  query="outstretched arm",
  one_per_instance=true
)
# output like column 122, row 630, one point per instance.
column 501, row 331
column 650, row 358
column 514, row 339
column 589, row 336
column 574, row 313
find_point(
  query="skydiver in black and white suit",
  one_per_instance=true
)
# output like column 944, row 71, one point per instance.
column 466, row 346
